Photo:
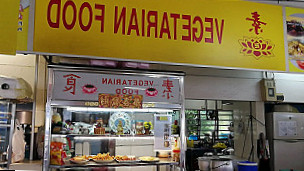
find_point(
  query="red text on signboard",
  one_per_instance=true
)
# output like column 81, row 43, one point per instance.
column 139, row 22
column 155, row 24
column 168, row 84
column 77, row 13
column 71, row 83
column 256, row 23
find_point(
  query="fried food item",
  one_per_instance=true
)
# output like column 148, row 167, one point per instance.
column 148, row 158
column 80, row 158
column 104, row 156
column 124, row 158
column 295, row 48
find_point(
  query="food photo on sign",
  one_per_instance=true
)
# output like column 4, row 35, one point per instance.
column 295, row 39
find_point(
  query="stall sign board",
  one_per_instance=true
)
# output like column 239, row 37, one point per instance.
column 162, row 132
column 120, row 101
column 8, row 26
column 236, row 34
column 87, row 86
column 295, row 39
column 23, row 25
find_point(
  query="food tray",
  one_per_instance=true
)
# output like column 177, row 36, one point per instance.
column 127, row 161
column 103, row 161
column 156, row 159
column 78, row 161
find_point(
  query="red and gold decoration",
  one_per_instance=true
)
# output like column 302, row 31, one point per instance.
column 120, row 101
column 257, row 47
column 99, row 129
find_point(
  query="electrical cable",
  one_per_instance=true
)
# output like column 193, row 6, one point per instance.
column 251, row 131
column 250, row 121
column 245, row 139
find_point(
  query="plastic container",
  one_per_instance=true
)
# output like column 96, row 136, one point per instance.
column 247, row 166
column 193, row 137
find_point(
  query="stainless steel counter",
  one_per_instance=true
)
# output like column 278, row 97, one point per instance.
column 92, row 164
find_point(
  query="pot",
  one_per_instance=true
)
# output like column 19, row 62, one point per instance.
column 24, row 117
column 221, row 164
column 204, row 163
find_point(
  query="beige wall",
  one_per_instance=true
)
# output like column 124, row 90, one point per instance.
column 41, row 93
column 23, row 66
column 241, row 112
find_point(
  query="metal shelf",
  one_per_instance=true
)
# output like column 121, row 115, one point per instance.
column 5, row 125
column 92, row 164
column 5, row 113
column 3, row 163
column 96, row 135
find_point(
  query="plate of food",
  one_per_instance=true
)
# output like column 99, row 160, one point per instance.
column 296, row 48
column 125, row 159
column 294, row 28
column 102, row 158
column 298, row 63
column 79, row 160
column 148, row 159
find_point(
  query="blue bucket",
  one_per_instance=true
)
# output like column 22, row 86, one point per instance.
column 247, row 166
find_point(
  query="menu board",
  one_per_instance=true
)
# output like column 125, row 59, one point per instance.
column 162, row 132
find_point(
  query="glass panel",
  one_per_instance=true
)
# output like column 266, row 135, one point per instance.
column 203, row 117
column 5, row 115
column 225, row 122
column 4, row 132
column 207, row 122
column 117, row 132
column 224, row 128
column 202, row 112
column 223, row 112
column 206, row 132
column 226, row 117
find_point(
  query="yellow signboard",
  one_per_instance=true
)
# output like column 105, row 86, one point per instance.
column 230, row 34
column 23, row 25
column 295, row 39
column 8, row 26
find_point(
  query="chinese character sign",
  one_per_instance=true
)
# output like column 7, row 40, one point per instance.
column 120, row 101
column 168, row 84
column 257, row 47
column 87, row 86
column 256, row 23
column 70, row 83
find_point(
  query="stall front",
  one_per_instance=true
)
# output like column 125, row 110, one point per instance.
column 180, row 33
column 113, row 118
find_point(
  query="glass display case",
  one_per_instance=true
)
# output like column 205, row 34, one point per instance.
column 114, row 120
column 7, row 115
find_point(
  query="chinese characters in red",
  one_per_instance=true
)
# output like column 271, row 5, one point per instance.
column 20, row 16
column 71, row 83
column 256, row 23
column 120, row 101
column 168, row 84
